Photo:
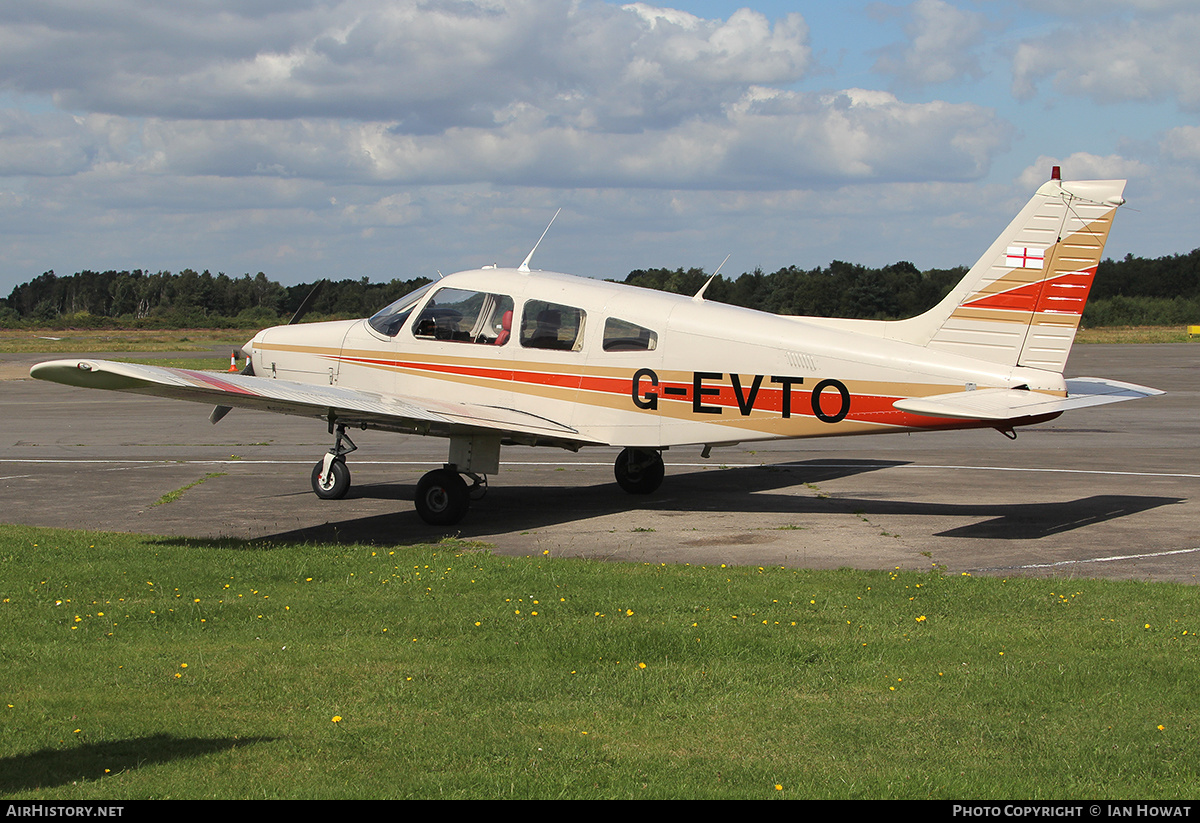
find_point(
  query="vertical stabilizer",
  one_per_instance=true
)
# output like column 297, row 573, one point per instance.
column 1022, row 302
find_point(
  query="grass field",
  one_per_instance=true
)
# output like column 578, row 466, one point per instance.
column 1134, row 334
column 132, row 340
column 204, row 363
column 183, row 340
column 145, row 667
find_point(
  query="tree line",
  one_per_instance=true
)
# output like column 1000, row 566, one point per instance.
column 188, row 299
column 1131, row 291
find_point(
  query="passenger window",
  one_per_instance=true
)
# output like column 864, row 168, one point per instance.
column 465, row 316
column 551, row 326
column 621, row 335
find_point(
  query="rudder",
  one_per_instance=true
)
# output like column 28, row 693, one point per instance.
column 1021, row 303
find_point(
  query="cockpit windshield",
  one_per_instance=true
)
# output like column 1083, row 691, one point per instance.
column 387, row 321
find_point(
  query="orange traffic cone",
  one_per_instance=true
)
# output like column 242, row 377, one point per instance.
column 233, row 362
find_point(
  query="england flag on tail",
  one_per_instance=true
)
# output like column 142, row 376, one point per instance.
column 1020, row 257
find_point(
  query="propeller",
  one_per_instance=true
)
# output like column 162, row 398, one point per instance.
column 307, row 302
column 219, row 412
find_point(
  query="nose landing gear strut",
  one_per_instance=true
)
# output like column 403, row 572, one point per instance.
column 330, row 477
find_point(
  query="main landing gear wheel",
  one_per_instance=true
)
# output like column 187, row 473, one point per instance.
column 335, row 485
column 442, row 497
column 639, row 471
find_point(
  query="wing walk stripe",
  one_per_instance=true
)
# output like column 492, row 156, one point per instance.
column 203, row 379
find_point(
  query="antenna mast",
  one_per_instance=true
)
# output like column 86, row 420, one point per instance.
column 525, row 265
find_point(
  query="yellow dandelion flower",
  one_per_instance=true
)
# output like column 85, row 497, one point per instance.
column 337, row 718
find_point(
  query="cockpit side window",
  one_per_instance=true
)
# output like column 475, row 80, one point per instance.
column 621, row 335
column 551, row 326
column 463, row 316
column 388, row 320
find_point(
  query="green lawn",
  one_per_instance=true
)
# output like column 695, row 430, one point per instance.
column 130, row 340
column 149, row 667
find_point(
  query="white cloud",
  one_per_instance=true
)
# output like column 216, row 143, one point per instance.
column 1182, row 144
column 558, row 93
column 1117, row 60
column 43, row 145
column 393, row 137
column 941, row 45
column 767, row 139
column 1093, row 8
column 426, row 66
column 1083, row 166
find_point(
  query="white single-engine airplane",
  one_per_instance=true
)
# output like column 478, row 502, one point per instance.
column 499, row 356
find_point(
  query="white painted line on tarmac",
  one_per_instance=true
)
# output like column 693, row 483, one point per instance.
column 982, row 469
column 605, row 463
column 1114, row 559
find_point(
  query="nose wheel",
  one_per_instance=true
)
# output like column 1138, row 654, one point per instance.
column 331, row 483
column 330, row 477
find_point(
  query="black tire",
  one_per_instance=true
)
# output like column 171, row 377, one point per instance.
column 336, row 485
column 442, row 497
column 639, row 471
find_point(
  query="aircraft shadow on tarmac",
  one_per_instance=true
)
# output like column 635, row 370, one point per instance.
column 785, row 490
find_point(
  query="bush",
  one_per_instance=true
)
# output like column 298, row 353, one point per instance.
column 1141, row 311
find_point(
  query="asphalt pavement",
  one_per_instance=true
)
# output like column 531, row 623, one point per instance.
column 1104, row 492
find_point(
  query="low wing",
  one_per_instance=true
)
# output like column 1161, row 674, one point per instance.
column 349, row 406
column 1010, row 404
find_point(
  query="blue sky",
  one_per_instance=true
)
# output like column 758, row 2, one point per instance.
column 394, row 138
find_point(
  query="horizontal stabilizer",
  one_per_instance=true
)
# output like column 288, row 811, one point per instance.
column 1011, row 404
